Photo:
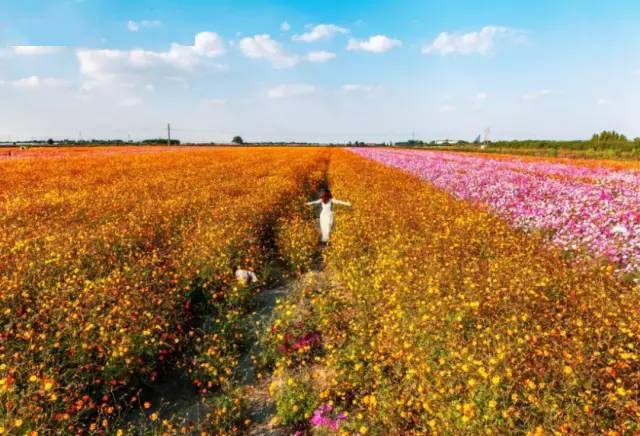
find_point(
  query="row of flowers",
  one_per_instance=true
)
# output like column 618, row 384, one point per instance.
column 108, row 261
column 590, row 208
column 442, row 318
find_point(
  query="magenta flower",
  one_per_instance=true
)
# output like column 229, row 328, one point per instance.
column 594, row 209
column 321, row 417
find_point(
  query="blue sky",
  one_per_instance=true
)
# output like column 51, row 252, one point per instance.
column 318, row 70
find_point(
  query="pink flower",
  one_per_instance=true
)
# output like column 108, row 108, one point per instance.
column 580, row 207
column 319, row 418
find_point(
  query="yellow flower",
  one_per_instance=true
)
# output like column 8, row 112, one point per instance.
column 539, row 431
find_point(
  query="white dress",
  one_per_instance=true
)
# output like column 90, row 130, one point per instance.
column 326, row 216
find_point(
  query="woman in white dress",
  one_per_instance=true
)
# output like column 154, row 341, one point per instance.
column 326, row 215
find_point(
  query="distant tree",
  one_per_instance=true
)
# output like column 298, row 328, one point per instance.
column 237, row 140
column 161, row 141
column 609, row 136
column 50, row 141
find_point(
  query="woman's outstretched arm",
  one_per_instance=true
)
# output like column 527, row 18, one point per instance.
column 310, row 203
column 342, row 203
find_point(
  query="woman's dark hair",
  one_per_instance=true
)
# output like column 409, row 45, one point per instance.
column 325, row 195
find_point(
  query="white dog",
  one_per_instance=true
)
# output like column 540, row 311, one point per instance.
column 246, row 277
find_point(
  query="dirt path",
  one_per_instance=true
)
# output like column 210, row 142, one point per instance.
column 261, row 406
column 176, row 399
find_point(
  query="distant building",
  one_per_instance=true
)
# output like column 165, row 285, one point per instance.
column 446, row 141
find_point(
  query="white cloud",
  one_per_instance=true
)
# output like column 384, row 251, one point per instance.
column 536, row 95
column 37, row 82
column 36, row 50
column 320, row 32
column 468, row 43
column 106, row 66
column 291, row 90
column 447, row 108
column 135, row 26
column 375, row 44
column 603, row 101
column 129, row 102
column 209, row 44
column 263, row 47
column 285, row 27
column 481, row 96
column 356, row 88
column 320, row 56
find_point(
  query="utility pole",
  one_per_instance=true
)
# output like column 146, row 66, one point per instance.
column 487, row 134
column 168, row 134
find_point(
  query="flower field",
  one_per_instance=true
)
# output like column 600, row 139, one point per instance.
column 443, row 318
column 433, row 313
column 595, row 208
column 105, row 261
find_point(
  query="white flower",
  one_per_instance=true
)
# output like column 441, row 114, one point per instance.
column 620, row 230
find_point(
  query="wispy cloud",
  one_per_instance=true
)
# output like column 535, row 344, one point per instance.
column 481, row 42
column 264, row 47
column 352, row 87
column 537, row 94
column 320, row 56
column 136, row 26
column 320, row 32
column 36, row 50
column 291, row 90
column 37, row 82
column 285, row 27
column 375, row 44
column 105, row 66
column 482, row 96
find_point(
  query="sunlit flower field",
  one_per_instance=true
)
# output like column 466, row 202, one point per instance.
column 444, row 318
column 595, row 208
column 103, row 257
column 460, row 294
